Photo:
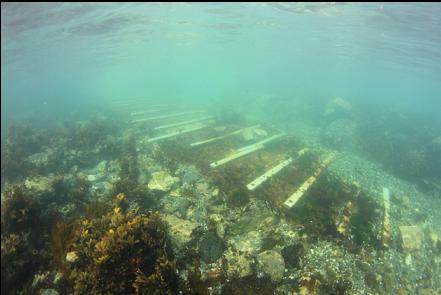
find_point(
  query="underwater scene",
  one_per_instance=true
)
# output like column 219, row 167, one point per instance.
column 221, row 148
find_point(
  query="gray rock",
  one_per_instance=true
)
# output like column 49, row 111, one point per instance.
column 43, row 158
column 197, row 213
column 99, row 172
column 238, row 265
column 40, row 184
column 92, row 177
column 102, row 188
column 292, row 253
column 188, row 173
column 180, row 232
column 270, row 263
column 162, row 181
column 251, row 221
column 250, row 243
column 211, row 247
column 217, row 222
column 175, row 205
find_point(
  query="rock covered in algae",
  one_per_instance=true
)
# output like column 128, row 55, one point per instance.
column 247, row 233
column 188, row 173
column 217, row 223
column 271, row 263
column 175, row 205
column 43, row 158
column 103, row 171
column 211, row 247
column 412, row 237
column 435, row 238
column 40, row 184
column 162, row 181
column 180, row 231
column 238, row 265
column 248, row 243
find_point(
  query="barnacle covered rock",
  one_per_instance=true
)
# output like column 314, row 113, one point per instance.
column 162, row 181
column 248, row 243
column 40, row 184
column 238, row 265
column 43, row 161
column 180, row 231
column 271, row 264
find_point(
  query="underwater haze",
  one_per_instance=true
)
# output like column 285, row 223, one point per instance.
column 113, row 111
column 385, row 55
